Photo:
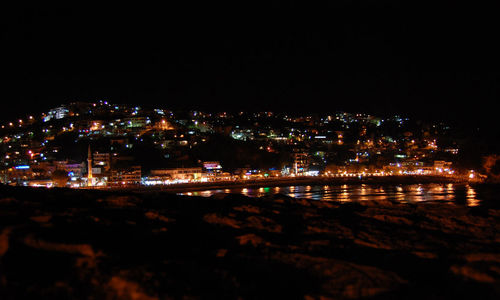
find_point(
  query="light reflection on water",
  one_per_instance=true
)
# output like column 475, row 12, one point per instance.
column 459, row 193
column 471, row 197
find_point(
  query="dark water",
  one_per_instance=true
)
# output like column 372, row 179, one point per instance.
column 463, row 194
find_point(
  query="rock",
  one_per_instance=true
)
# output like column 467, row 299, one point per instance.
column 214, row 218
column 471, row 273
column 250, row 238
column 221, row 253
column 342, row 279
column 248, row 208
column 81, row 249
column 152, row 215
column 120, row 288
column 41, row 219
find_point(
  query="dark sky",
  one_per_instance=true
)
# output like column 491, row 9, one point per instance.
column 375, row 56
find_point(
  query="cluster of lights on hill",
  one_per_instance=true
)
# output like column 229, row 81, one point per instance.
column 330, row 144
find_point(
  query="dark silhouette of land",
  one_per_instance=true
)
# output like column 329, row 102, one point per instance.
column 91, row 244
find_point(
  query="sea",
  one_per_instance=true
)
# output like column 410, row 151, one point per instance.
column 457, row 193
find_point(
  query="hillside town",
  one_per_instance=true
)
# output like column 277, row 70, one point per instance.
column 116, row 145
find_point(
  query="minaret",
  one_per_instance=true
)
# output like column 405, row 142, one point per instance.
column 89, row 173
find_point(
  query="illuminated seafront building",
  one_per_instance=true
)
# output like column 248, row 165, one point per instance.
column 213, row 170
column 177, row 174
column 126, row 177
column 300, row 163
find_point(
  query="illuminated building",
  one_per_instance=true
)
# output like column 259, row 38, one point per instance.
column 177, row 174
column 300, row 163
column 20, row 174
column 136, row 122
column 442, row 166
column 56, row 113
column 126, row 177
column 95, row 125
column 102, row 159
column 163, row 125
column 213, row 169
column 74, row 169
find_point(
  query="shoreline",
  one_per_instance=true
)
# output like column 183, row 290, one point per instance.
column 297, row 181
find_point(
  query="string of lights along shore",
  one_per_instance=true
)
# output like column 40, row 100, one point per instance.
column 105, row 145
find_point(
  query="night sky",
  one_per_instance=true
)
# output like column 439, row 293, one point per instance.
column 369, row 56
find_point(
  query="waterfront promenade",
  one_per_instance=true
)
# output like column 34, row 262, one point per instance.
column 297, row 181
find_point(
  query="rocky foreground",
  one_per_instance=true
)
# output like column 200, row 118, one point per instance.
column 99, row 245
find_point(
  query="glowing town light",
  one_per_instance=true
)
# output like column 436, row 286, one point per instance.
column 22, row 167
